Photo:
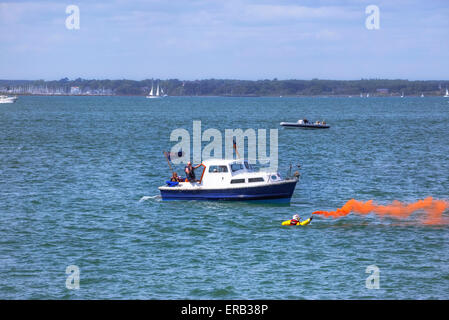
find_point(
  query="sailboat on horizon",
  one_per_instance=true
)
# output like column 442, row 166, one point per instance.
column 447, row 93
column 151, row 95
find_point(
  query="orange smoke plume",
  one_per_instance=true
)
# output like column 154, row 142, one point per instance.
column 433, row 209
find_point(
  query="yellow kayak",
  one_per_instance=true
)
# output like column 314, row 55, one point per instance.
column 301, row 223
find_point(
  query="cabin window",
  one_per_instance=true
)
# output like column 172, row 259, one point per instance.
column 216, row 169
column 258, row 179
column 237, row 181
column 236, row 167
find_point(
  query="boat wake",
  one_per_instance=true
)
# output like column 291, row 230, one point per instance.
column 146, row 198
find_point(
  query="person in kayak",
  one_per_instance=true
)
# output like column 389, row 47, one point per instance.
column 190, row 171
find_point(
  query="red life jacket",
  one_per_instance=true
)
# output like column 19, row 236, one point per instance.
column 293, row 222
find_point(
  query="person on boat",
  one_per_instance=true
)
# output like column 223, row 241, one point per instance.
column 175, row 177
column 190, row 171
column 305, row 121
column 295, row 220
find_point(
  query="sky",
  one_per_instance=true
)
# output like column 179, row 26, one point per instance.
column 227, row 39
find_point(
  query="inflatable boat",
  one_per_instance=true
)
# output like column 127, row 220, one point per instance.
column 304, row 124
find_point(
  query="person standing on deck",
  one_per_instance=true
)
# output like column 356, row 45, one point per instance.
column 190, row 172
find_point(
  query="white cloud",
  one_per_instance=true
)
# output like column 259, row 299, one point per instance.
column 280, row 12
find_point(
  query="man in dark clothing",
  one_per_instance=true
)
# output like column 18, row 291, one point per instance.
column 190, row 171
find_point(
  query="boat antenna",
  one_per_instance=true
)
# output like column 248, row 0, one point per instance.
column 234, row 144
column 167, row 156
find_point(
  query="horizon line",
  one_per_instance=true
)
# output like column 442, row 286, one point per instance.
column 230, row 79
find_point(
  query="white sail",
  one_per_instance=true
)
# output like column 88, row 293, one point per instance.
column 447, row 94
column 151, row 95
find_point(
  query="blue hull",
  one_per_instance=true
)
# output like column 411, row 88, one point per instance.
column 270, row 193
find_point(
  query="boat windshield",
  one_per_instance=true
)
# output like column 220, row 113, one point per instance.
column 240, row 166
column 236, row 167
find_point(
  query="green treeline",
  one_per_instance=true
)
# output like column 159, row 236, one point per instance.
column 219, row 87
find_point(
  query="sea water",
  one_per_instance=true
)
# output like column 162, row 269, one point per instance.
column 79, row 187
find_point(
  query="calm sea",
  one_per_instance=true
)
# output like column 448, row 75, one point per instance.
column 78, row 186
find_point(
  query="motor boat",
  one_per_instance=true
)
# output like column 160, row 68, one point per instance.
column 6, row 99
column 305, row 124
column 231, row 180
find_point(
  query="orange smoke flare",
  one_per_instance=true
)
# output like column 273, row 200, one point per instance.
column 434, row 209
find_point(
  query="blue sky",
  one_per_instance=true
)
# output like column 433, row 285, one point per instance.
column 238, row 39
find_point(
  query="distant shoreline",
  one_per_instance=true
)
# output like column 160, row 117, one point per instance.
column 224, row 96
column 226, row 88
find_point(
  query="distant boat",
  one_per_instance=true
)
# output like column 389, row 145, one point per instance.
column 402, row 95
column 367, row 95
column 361, row 95
column 422, row 95
column 306, row 124
column 447, row 94
column 154, row 96
column 6, row 99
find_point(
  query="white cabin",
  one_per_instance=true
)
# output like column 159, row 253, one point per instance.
column 220, row 173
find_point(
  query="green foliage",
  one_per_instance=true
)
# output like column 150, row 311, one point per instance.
column 222, row 87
